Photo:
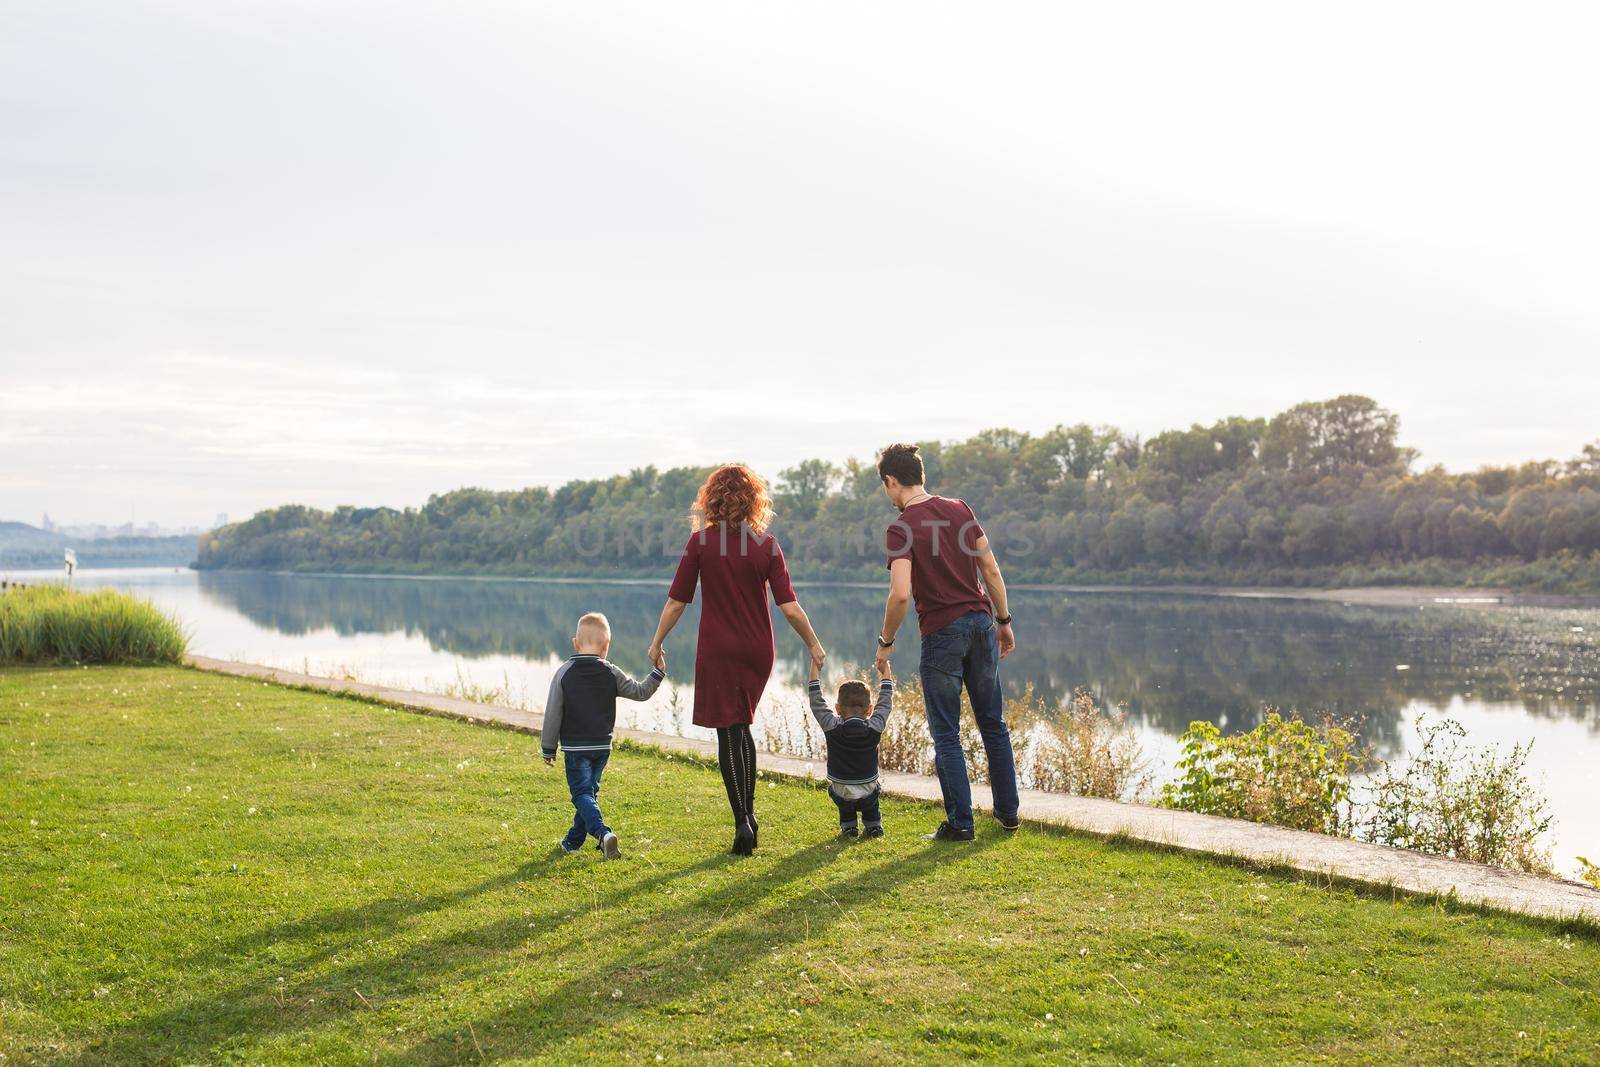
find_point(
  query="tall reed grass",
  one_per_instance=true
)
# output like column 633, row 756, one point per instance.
column 1073, row 747
column 53, row 624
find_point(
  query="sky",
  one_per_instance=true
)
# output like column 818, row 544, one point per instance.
column 360, row 253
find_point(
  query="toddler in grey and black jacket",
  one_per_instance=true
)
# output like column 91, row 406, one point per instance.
column 853, row 736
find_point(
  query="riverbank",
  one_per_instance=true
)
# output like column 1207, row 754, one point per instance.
column 1310, row 854
column 201, row 866
column 1508, row 675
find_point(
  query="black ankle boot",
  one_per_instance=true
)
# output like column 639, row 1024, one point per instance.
column 744, row 840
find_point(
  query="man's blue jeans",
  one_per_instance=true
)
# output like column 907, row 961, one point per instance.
column 583, row 781
column 966, row 652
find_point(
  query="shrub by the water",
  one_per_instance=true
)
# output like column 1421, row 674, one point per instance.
column 1589, row 871
column 54, row 624
column 1284, row 772
column 1452, row 800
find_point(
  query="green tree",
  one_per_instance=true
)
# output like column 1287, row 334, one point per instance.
column 1332, row 435
column 804, row 486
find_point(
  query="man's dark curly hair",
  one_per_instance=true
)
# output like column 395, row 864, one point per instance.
column 901, row 463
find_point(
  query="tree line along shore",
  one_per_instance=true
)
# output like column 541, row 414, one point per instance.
column 1322, row 494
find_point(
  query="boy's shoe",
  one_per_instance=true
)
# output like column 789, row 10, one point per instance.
column 946, row 832
column 848, row 831
column 872, row 831
column 570, row 849
column 1008, row 822
column 609, row 845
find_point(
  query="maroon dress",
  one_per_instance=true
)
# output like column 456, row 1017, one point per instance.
column 735, row 653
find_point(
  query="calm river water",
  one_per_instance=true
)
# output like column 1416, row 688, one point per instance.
column 1508, row 674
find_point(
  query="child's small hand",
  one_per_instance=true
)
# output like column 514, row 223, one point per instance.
column 549, row 761
column 885, row 668
column 658, row 656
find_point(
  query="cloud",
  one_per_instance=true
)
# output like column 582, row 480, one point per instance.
column 332, row 257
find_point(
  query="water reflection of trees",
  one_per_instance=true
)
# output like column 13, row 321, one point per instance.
column 1168, row 659
column 460, row 616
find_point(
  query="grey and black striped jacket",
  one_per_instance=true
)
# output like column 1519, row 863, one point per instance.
column 852, row 743
column 581, row 713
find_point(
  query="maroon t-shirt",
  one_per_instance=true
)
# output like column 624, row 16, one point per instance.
column 940, row 537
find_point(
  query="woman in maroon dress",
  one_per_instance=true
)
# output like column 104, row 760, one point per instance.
column 732, row 558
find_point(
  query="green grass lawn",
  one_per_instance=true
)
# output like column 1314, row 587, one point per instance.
column 201, row 868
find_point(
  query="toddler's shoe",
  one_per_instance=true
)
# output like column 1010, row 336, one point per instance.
column 872, row 831
column 849, row 831
column 609, row 846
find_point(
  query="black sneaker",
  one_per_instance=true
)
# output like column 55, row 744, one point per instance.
column 946, row 832
column 848, row 831
column 1008, row 822
column 872, row 831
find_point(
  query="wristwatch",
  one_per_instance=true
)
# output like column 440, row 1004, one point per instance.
column 884, row 644
column 1005, row 621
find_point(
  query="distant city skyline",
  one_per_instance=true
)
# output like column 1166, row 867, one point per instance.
column 96, row 530
column 336, row 254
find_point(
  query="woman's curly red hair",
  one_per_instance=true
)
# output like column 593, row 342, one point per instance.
column 734, row 495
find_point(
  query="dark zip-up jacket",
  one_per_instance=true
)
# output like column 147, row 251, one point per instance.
column 581, row 714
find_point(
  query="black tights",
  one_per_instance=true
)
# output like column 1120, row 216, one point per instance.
column 736, row 756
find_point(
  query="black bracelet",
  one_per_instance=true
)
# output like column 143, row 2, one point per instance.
column 1003, row 622
column 884, row 644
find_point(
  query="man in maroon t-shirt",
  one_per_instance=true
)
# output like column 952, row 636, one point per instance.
column 939, row 556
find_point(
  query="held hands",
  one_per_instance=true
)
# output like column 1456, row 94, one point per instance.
column 818, row 657
column 549, row 761
column 881, row 661
column 658, row 656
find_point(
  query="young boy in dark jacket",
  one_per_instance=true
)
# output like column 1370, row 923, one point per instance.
column 853, row 737
column 580, row 717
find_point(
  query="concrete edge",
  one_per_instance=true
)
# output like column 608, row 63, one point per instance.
column 1333, row 858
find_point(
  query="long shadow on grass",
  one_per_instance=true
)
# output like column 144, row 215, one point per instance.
column 341, row 929
column 200, row 1024
column 359, row 921
column 248, row 1010
column 667, row 970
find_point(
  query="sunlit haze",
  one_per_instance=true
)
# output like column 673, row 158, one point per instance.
column 357, row 253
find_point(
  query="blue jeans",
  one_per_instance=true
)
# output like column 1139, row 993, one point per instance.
column 583, row 781
column 967, row 652
column 867, row 808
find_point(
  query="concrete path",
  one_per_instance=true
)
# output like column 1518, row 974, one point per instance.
column 1408, row 872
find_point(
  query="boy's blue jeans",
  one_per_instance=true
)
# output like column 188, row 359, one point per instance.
column 967, row 652
column 583, row 781
column 866, row 807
